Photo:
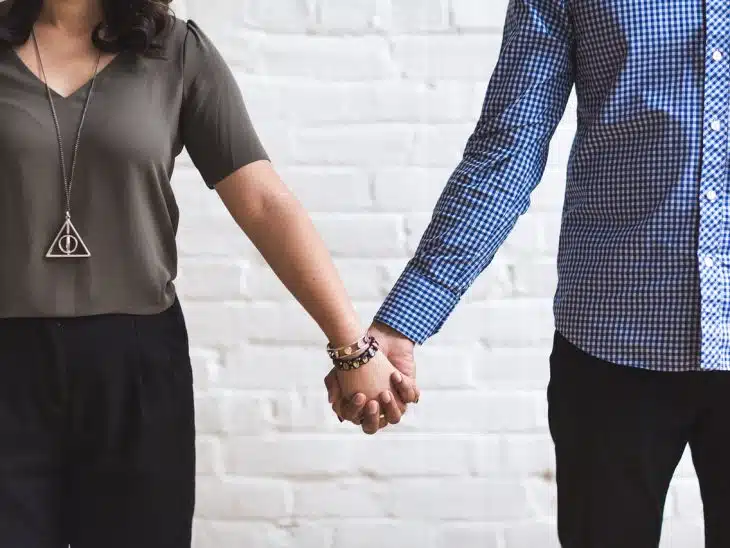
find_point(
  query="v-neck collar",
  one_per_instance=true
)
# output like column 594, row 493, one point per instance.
column 26, row 69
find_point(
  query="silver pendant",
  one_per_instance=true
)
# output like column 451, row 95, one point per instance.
column 68, row 243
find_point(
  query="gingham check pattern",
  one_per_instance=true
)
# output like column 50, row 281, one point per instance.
column 644, row 258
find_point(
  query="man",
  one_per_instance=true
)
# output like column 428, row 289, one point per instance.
column 640, row 362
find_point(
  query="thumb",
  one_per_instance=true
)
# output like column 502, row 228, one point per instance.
column 333, row 387
column 405, row 387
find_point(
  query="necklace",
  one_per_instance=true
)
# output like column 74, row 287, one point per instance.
column 68, row 242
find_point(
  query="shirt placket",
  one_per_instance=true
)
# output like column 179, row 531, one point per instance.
column 712, row 262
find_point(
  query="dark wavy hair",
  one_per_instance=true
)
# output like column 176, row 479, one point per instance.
column 129, row 25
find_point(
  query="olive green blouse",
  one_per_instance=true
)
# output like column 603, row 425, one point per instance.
column 142, row 113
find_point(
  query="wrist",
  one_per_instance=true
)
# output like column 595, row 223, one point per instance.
column 379, row 328
column 354, row 355
column 345, row 334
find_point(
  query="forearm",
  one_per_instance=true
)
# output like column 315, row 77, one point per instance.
column 288, row 241
column 281, row 230
column 503, row 162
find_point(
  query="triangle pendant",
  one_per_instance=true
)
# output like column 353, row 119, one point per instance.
column 68, row 243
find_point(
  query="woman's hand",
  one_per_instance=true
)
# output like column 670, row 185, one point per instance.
column 371, row 386
column 365, row 410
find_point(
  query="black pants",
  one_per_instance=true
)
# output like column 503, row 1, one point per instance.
column 619, row 434
column 96, row 432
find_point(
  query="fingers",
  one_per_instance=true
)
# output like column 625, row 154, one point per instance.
column 362, row 413
column 390, row 408
column 333, row 387
column 371, row 418
column 353, row 408
column 376, row 414
column 406, row 388
column 334, row 394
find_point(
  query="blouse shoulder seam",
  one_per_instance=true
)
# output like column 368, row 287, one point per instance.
column 190, row 27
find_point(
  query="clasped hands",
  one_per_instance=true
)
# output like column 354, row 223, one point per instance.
column 378, row 393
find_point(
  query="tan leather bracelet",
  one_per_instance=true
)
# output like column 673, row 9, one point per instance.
column 346, row 351
column 358, row 361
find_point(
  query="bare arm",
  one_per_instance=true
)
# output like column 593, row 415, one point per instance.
column 282, row 231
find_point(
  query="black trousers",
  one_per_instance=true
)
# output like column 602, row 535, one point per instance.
column 96, row 432
column 619, row 434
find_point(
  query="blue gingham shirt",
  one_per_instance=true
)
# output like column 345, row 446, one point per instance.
column 644, row 255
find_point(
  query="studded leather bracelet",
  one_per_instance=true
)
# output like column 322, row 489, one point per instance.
column 359, row 359
column 353, row 349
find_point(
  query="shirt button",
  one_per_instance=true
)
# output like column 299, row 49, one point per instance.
column 717, row 55
column 711, row 195
column 709, row 262
column 716, row 125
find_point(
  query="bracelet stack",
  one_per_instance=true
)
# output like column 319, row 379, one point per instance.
column 355, row 355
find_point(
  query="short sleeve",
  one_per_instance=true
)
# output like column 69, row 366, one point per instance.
column 215, row 125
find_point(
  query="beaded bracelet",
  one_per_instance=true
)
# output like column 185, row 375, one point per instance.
column 360, row 359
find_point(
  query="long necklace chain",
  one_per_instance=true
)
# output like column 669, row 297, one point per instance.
column 68, row 178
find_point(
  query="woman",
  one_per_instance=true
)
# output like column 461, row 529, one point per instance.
column 97, row 98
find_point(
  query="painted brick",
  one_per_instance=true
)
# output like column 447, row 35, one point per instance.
column 365, row 107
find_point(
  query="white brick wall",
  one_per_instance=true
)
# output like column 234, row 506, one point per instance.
column 364, row 106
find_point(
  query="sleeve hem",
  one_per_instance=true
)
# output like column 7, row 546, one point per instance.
column 212, row 181
column 417, row 307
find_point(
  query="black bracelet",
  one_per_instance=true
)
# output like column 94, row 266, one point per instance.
column 359, row 360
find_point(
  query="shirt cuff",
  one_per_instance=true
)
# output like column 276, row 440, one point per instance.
column 416, row 307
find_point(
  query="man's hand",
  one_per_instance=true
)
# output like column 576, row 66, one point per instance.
column 377, row 411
